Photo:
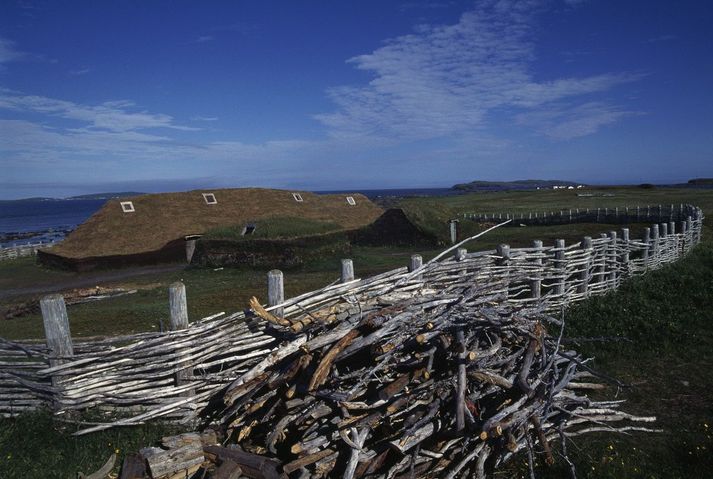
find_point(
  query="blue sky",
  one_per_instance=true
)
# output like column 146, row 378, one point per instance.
column 160, row 96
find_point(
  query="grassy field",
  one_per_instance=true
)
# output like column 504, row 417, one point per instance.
column 665, row 316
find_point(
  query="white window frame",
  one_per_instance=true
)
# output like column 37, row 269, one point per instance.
column 351, row 201
column 127, row 207
column 207, row 195
column 297, row 197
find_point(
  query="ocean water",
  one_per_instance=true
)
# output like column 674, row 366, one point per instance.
column 50, row 219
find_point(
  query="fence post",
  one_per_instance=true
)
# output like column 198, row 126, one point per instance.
column 536, row 283
column 560, row 266
column 178, row 306
column 625, row 254
column 602, row 269
column 178, row 320
column 275, row 291
column 584, row 275
column 682, row 229
column 453, row 230
column 612, row 260
column 655, row 244
column 347, row 271
column 57, row 334
column 647, row 248
column 416, row 262
column 460, row 254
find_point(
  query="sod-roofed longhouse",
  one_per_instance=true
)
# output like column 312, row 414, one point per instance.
column 157, row 227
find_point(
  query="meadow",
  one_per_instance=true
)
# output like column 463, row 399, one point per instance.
column 655, row 333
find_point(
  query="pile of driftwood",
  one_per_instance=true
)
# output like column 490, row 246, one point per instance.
column 433, row 383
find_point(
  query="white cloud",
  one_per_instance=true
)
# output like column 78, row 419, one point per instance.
column 564, row 122
column 204, row 118
column 447, row 81
column 8, row 52
column 81, row 71
column 203, row 39
column 111, row 115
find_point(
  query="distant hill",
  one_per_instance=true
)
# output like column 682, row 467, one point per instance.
column 36, row 198
column 104, row 196
column 701, row 181
column 479, row 185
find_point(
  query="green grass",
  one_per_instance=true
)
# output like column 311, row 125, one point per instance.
column 275, row 228
column 36, row 446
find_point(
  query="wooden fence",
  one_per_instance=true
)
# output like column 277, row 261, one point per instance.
column 20, row 251
column 617, row 215
column 175, row 374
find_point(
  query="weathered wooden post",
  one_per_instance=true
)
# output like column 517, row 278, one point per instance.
column 625, row 253
column 415, row 263
column 453, row 230
column 613, row 263
column 584, row 276
column 638, row 213
column 602, row 269
column 647, row 248
column 57, row 334
column 275, row 291
column 178, row 306
column 460, row 254
column 503, row 250
column 560, row 266
column 536, row 282
column 347, row 271
column 655, row 244
column 178, row 320
column 597, row 215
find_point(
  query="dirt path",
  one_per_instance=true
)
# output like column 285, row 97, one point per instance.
column 89, row 279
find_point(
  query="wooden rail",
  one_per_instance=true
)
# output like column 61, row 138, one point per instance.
column 20, row 251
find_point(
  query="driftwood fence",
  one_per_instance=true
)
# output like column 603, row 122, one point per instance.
column 174, row 375
column 616, row 215
column 20, row 251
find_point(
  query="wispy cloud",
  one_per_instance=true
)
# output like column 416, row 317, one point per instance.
column 565, row 122
column 446, row 81
column 8, row 51
column 202, row 39
column 111, row 115
column 204, row 118
column 661, row 38
column 79, row 72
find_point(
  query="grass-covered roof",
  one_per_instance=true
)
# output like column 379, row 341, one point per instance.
column 159, row 219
